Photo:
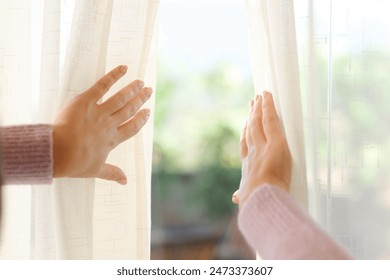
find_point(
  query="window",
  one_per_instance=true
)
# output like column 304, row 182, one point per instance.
column 202, row 95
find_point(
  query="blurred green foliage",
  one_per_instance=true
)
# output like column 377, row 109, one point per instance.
column 360, row 116
column 198, row 119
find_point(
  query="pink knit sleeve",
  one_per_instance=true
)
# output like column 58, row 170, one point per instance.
column 27, row 154
column 277, row 227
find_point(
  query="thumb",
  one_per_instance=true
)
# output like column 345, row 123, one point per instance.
column 112, row 173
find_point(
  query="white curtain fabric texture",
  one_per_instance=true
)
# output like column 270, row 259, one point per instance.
column 275, row 69
column 344, row 56
column 76, row 219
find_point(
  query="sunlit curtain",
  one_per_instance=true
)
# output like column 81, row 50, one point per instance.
column 345, row 62
column 50, row 51
column 275, row 68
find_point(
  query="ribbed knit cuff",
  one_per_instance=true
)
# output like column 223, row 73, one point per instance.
column 279, row 228
column 264, row 217
column 27, row 154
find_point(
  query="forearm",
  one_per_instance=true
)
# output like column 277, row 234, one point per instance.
column 278, row 228
column 27, row 154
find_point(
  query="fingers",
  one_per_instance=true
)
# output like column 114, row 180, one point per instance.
column 256, row 123
column 105, row 83
column 131, row 127
column 120, row 99
column 248, row 136
column 272, row 127
column 132, row 106
column 243, row 147
column 112, row 173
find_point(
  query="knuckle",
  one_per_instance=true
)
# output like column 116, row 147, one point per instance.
column 111, row 137
column 107, row 81
column 271, row 120
column 120, row 100
column 254, row 122
column 136, row 104
column 131, row 110
column 139, row 122
column 104, row 85
column 145, row 93
column 144, row 96
column 110, row 173
column 132, row 129
column 115, row 75
column 133, row 126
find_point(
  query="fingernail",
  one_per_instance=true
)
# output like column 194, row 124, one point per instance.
column 123, row 69
column 123, row 181
column 148, row 112
column 140, row 84
column 266, row 93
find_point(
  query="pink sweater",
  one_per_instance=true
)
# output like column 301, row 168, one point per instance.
column 278, row 228
column 27, row 154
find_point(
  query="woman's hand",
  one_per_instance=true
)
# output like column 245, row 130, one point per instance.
column 84, row 133
column 264, row 151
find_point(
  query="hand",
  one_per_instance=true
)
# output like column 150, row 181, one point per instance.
column 264, row 151
column 84, row 133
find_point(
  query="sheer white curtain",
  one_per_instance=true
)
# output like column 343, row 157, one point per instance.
column 345, row 60
column 44, row 63
column 275, row 69
column 343, row 55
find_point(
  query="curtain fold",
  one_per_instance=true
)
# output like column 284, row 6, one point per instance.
column 275, row 68
column 79, row 218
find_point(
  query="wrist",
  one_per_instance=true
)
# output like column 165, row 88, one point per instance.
column 248, row 188
column 59, row 150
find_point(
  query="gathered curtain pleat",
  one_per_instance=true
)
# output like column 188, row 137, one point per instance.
column 274, row 60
